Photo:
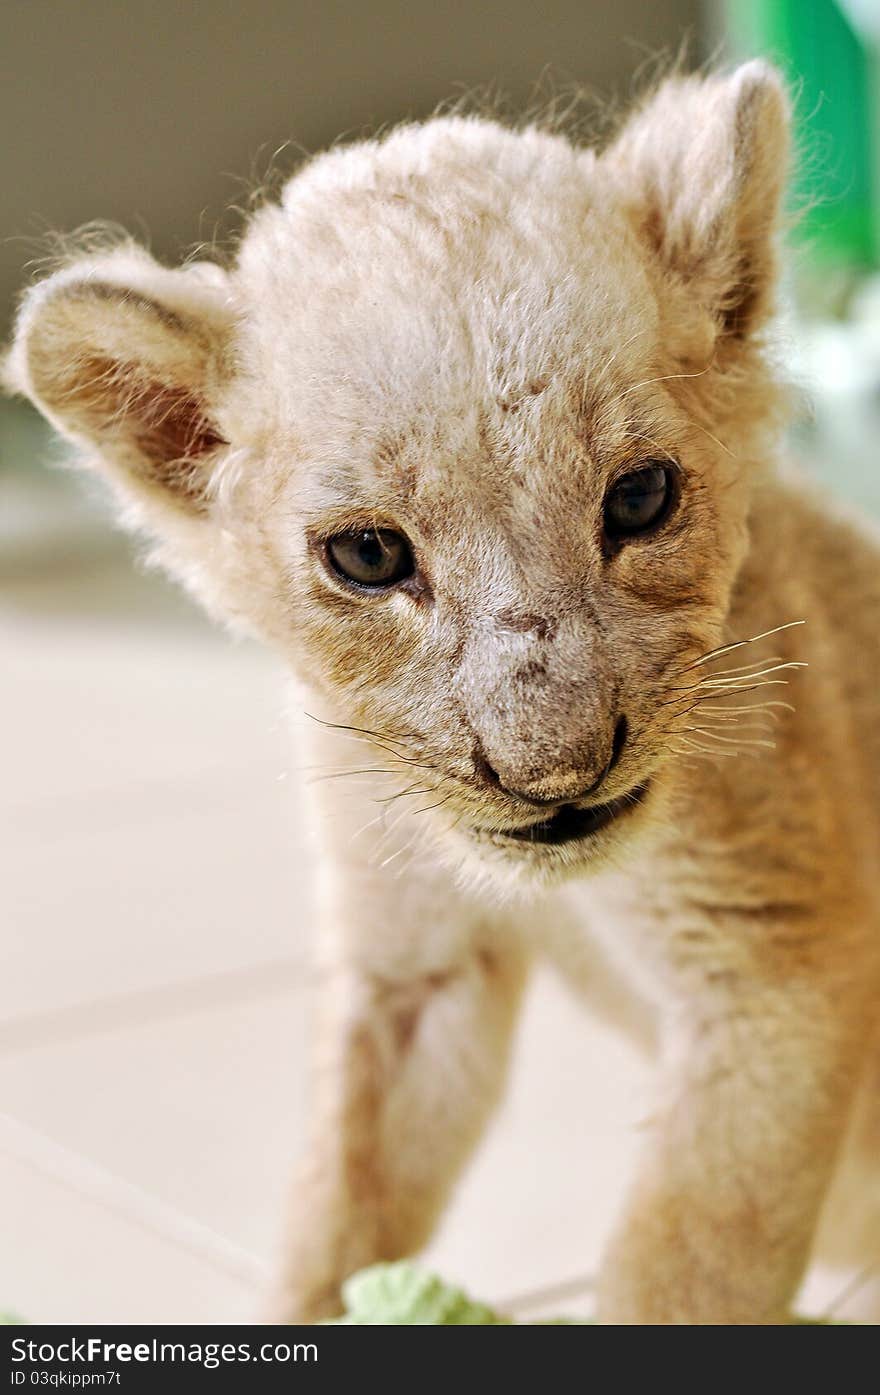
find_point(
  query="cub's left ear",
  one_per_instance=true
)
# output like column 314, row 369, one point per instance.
column 701, row 169
column 128, row 359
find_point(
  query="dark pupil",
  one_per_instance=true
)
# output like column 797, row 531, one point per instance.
column 637, row 500
column 373, row 557
column 370, row 551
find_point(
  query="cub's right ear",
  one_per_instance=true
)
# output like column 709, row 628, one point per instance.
column 128, row 359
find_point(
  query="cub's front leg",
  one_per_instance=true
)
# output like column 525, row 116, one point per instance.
column 415, row 1021
column 761, row 1073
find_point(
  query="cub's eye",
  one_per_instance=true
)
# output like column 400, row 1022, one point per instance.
column 372, row 557
column 638, row 501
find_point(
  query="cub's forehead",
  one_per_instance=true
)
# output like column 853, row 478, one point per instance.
column 457, row 238
column 458, row 292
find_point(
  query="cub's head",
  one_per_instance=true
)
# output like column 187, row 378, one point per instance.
column 469, row 431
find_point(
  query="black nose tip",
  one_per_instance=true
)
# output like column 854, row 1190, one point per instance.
column 489, row 775
column 533, row 799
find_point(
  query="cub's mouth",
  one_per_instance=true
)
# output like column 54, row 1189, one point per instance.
column 569, row 824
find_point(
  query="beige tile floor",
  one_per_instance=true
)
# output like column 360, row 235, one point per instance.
column 154, row 987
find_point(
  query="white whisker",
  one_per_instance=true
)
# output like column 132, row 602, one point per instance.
column 738, row 644
column 745, row 668
column 379, row 818
column 665, row 378
column 617, row 352
column 733, row 740
column 720, row 444
column 749, row 707
column 695, row 746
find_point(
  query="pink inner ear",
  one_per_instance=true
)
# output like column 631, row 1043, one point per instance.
column 167, row 425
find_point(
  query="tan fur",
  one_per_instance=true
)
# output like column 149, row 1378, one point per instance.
column 464, row 333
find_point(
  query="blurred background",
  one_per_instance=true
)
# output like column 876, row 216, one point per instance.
column 154, row 907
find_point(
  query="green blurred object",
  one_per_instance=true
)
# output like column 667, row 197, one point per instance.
column 402, row 1295
column 830, row 52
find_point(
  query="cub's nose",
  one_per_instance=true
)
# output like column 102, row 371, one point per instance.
column 553, row 786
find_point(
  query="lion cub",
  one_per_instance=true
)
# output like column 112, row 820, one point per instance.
column 481, row 431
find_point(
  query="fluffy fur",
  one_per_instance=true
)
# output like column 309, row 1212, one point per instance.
column 466, row 333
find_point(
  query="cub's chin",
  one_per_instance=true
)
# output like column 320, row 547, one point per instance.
column 573, row 840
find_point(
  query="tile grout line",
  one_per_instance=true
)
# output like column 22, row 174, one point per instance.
column 161, row 1003
column 852, row 1288
column 577, row 1287
column 61, row 1165
column 133, row 1204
